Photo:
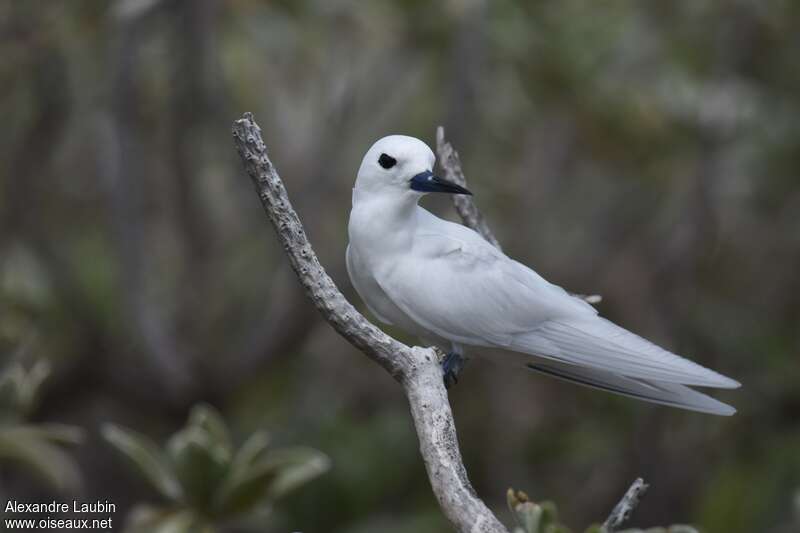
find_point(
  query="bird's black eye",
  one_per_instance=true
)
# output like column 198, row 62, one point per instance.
column 387, row 161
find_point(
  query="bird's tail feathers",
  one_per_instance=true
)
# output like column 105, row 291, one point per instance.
column 602, row 345
column 671, row 394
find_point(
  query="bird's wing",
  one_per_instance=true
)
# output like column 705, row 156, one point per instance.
column 672, row 394
column 455, row 284
column 595, row 342
column 460, row 287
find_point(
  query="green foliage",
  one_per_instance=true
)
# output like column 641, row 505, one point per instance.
column 147, row 458
column 533, row 517
column 206, row 480
column 38, row 447
column 543, row 518
column 19, row 388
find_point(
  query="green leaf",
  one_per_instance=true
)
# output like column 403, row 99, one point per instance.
column 299, row 465
column 30, row 448
column 208, row 419
column 269, row 477
column 248, row 491
column 253, row 449
column 199, row 463
column 31, row 383
column 9, row 392
column 529, row 516
column 147, row 519
column 244, row 485
column 146, row 456
column 56, row 433
column 534, row 517
column 19, row 388
column 549, row 513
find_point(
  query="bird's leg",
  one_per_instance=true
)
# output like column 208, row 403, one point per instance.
column 451, row 366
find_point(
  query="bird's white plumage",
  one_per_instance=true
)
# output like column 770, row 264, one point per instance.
column 445, row 283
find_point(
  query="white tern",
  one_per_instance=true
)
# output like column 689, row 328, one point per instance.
column 444, row 283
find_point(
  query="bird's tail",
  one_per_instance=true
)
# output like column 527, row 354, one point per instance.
column 664, row 393
column 595, row 352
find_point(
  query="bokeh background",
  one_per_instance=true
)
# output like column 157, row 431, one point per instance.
column 646, row 151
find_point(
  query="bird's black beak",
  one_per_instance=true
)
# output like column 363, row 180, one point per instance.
column 427, row 182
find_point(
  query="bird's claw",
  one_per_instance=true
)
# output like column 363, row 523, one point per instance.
column 451, row 366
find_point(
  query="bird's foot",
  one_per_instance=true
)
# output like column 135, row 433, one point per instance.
column 452, row 365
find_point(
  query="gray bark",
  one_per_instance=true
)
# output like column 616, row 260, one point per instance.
column 622, row 511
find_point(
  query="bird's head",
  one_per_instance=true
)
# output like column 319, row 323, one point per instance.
column 402, row 165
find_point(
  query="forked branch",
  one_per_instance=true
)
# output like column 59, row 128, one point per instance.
column 416, row 369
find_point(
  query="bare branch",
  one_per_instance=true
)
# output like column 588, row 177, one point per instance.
column 416, row 369
column 465, row 205
column 625, row 507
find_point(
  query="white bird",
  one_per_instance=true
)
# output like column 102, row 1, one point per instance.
column 444, row 283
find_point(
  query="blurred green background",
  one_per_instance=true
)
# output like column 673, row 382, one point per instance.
column 647, row 151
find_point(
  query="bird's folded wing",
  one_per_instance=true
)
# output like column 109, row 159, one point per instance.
column 595, row 342
column 462, row 288
column 671, row 394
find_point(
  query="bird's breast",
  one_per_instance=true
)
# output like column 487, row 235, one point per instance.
column 363, row 276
